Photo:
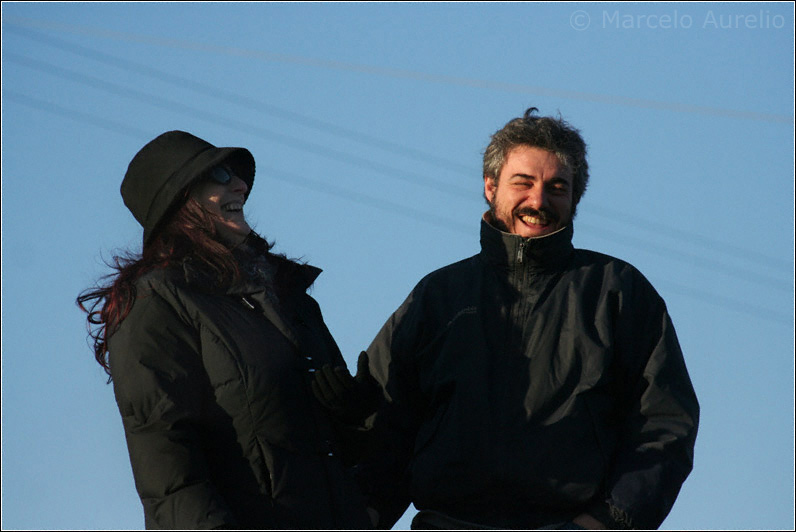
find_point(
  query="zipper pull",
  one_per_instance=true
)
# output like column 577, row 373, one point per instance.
column 247, row 303
column 519, row 251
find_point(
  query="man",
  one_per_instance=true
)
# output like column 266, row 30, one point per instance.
column 532, row 385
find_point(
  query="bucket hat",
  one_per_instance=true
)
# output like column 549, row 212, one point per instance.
column 166, row 166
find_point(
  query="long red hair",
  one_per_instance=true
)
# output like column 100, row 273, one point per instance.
column 190, row 233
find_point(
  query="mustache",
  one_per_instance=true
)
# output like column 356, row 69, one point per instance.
column 544, row 214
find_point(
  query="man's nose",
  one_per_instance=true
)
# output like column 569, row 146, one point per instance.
column 536, row 197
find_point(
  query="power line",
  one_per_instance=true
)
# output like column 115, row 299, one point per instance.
column 424, row 180
column 171, row 105
column 381, row 204
column 715, row 265
column 725, row 247
column 110, row 125
column 303, row 144
column 410, row 74
column 371, row 201
column 241, row 100
column 600, row 210
column 744, row 307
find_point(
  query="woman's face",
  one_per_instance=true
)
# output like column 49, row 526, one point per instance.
column 223, row 194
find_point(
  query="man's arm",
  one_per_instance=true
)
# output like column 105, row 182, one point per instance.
column 384, row 472
column 656, row 447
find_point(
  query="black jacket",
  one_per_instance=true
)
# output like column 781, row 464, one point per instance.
column 221, row 424
column 530, row 383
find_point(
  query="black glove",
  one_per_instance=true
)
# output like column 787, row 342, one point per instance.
column 349, row 399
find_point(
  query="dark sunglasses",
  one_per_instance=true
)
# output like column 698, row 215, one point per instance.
column 220, row 174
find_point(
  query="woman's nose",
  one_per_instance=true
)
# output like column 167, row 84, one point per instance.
column 238, row 185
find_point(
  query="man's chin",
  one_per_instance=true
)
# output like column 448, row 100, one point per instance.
column 526, row 230
column 535, row 233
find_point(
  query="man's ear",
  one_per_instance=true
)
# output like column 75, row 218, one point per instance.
column 490, row 186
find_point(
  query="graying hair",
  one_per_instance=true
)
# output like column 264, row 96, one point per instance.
column 548, row 133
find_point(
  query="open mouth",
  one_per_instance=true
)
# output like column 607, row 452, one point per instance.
column 540, row 221
column 232, row 206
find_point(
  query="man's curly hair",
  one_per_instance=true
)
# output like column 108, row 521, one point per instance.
column 547, row 133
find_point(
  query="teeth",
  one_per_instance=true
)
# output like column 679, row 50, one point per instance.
column 533, row 220
column 233, row 206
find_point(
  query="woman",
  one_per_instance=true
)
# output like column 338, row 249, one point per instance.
column 211, row 342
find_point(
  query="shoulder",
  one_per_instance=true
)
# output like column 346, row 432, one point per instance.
column 157, row 332
column 161, row 279
column 615, row 275
column 440, row 292
column 453, row 274
column 594, row 260
column 160, row 303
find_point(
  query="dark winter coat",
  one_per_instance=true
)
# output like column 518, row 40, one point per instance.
column 220, row 421
column 528, row 384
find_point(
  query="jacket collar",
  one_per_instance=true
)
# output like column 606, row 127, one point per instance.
column 301, row 282
column 257, row 296
column 544, row 253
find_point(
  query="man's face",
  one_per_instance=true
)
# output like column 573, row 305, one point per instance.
column 533, row 194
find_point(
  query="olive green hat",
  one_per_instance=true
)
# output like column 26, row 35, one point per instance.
column 166, row 166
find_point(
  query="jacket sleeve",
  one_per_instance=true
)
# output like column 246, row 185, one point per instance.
column 160, row 389
column 384, row 473
column 350, row 441
column 656, row 447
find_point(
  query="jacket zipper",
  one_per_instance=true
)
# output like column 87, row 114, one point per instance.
column 247, row 303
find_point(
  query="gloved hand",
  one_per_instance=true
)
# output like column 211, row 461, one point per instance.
column 349, row 399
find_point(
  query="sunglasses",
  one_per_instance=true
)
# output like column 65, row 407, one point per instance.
column 220, row 174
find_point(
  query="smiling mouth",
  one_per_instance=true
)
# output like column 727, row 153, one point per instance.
column 232, row 206
column 535, row 220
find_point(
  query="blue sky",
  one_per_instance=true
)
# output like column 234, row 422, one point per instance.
column 368, row 122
